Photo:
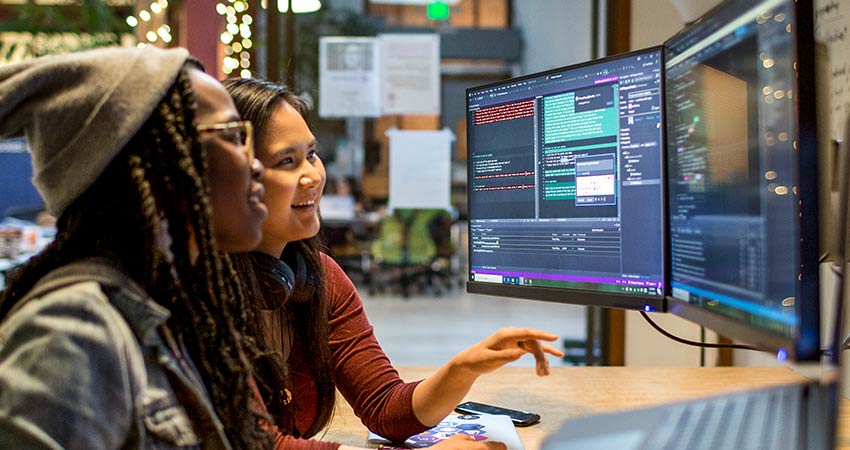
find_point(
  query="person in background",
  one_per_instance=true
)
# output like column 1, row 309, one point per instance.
column 126, row 332
column 349, row 186
column 313, row 320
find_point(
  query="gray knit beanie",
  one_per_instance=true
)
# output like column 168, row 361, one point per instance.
column 78, row 111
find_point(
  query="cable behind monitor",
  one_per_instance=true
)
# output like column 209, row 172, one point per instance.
column 694, row 343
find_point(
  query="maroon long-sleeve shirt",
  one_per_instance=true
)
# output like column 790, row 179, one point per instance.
column 362, row 372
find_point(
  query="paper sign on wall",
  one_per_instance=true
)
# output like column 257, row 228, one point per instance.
column 410, row 73
column 349, row 77
column 832, row 28
column 420, row 168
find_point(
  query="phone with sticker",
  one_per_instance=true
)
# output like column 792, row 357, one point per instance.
column 519, row 418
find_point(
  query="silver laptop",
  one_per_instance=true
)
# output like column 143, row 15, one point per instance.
column 797, row 417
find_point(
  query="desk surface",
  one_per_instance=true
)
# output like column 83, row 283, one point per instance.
column 578, row 391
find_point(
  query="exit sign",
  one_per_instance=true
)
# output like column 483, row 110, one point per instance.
column 438, row 10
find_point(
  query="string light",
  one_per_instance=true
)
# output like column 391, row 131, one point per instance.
column 149, row 23
column 164, row 33
column 236, row 37
column 149, row 26
column 238, row 33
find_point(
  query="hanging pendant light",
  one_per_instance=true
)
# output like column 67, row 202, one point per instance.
column 299, row 6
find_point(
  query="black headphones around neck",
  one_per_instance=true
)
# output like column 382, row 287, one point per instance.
column 275, row 277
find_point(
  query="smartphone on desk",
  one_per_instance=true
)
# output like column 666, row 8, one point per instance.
column 519, row 418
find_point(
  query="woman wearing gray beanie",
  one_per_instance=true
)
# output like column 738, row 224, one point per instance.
column 126, row 332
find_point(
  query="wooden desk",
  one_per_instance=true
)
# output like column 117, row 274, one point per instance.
column 578, row 391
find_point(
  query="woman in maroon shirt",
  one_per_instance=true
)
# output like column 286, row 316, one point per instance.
column 318, row 335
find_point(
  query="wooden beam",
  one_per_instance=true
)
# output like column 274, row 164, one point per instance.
column 618, row 40
column 272, row 41
column 618, row 26
column 290, row 49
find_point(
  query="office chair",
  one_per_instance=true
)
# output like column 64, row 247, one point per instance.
column 406, row 253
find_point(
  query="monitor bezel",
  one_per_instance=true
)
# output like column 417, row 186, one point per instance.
column 796, row 348
column 571, row 295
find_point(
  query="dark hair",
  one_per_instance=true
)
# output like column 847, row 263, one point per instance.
column 160, row 174
column 302, row 318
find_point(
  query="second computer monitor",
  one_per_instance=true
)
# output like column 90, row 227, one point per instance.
column 742, row 161
column 566, row 184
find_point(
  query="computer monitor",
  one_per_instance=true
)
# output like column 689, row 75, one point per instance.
column 336, row 207
column 742, row 175
column 17, row 193
column 566, row 184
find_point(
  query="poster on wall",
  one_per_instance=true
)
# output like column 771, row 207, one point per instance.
column 410, row 73
column 420, row 168
column 349, row 81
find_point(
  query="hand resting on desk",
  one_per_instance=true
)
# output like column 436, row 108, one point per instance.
column 459, row 441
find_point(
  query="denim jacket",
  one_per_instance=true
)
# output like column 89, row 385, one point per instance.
column 87, row 362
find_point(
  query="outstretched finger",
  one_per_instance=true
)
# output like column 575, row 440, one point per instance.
column 552, row 350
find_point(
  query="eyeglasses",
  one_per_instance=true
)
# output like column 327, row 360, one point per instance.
column 237, row 133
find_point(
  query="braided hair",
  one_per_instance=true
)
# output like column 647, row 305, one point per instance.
column 302, row 317
column 156, row 187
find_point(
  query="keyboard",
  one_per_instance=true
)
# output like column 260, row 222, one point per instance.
column 754, row 420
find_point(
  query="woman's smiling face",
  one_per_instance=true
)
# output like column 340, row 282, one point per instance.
column 293, row 181
column 235, row 195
